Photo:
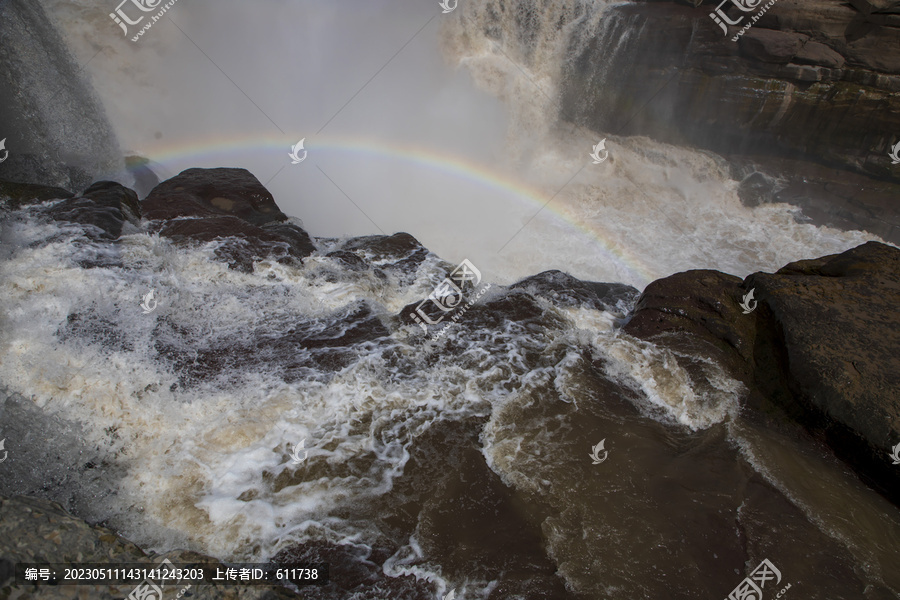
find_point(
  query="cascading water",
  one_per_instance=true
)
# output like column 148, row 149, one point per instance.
column 192, row 412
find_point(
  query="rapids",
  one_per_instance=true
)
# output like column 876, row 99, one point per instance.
column 465, row 464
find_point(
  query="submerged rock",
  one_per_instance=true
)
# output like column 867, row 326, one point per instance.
column 564, row 290
column 16, row 195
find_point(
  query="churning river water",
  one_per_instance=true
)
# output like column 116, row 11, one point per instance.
column 466, row 465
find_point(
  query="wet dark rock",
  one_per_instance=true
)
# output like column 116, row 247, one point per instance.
column 400, row 253
column 54, row 124
column 349, row 259
column 768, row 45
column 35, row 531
column 305, row 347
column 472, row 525
column 826, row 195
column 564, row 290
column 757, row 188
column 242, row 243
column 16, row 195
column 354, row 572
column 104, row 208
column 213, row 193
column 836, row 318
column 81, row 326
column 823, row 345
column 697, row 313
column 202, row 205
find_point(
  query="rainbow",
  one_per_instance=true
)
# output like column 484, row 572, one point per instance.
column 217, row 151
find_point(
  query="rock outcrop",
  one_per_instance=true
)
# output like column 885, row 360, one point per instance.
column 55, row 127
column 815, row 84
column 202, row 205
column 823, row 344
column 815, row 80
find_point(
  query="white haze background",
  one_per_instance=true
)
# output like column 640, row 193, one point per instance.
column 227, row 83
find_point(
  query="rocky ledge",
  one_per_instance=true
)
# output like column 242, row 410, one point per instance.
column 822, row 344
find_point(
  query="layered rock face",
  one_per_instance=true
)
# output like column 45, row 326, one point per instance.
column 810, row 80
column 818, row 83
column 805, row 103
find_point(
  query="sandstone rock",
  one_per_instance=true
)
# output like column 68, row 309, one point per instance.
column 771, row 46
column 840, row 329
column 814, row 53
column 809, row 79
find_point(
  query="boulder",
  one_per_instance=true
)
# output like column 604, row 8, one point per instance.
column 823, row 344
column 202, row 205
column 814, row 53
column 213, row 193
column 564, row 290
column 698, row 313
column 839, row 328
column 103, row 208
column 242, row 243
